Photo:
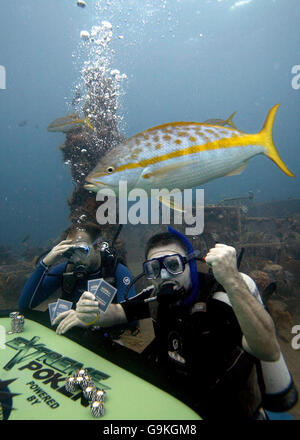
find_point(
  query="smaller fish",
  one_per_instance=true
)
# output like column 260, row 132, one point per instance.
column 26, row 238
column 227, row 121
column 69, row 123
column 81, row 3
column 22, row 123
column 7, row 279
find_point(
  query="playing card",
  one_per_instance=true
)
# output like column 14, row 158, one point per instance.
column 51, row 308
column 105, row 294
column 62, row 306
column 93, row 285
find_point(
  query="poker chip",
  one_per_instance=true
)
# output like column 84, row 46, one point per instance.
column 87, row 381
column 81, row 372
column 95, row 396
column 17, row 323
column 89, row 391
column 99, row 395
column 97, row 408
column 79, row 381
column 71, row 384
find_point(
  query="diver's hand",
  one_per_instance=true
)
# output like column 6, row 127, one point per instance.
column 87, row 308
column 66, row 321
column 57, row 252
column 222, row 259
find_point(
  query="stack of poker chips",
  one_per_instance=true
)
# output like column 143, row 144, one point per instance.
column 17, row 323
column 96, row 397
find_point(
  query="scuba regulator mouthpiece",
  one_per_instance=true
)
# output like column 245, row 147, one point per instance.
column 69, row 279
column 79, row 271
column 167, row 293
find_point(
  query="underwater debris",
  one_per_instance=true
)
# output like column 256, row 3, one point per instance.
column 7, row 255
column 261, row 279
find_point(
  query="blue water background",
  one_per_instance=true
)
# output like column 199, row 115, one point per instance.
column 190, row 60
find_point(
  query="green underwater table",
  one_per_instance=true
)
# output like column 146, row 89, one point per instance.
column 34, row 365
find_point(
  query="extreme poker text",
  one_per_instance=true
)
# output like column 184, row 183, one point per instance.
column 48, row 367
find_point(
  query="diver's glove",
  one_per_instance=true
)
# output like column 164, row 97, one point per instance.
column 87, row 308
column 66, row 321
column 86, row 314
column 222, row 259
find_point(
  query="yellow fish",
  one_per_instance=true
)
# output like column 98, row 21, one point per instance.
column 183, row 155
column 228, row 121
column 69, row 123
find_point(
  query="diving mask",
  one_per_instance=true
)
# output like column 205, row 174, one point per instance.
column 174, row 264
column 79, row 251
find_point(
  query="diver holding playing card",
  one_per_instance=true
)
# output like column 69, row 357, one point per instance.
column 86, row 267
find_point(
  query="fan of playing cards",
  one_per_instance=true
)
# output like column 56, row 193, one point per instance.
column 103, row 291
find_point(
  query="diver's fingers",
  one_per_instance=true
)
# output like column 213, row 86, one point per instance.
column 217, row 249
column 209, row 259
column 63, row 324
column 87, row 302
column 88, row 309
column 67, row 245
column 217, row 252
column 87, row 295
column 61, row 316
column 63, row 247
column 225, row 247
column 67, row 327
column 66, row 324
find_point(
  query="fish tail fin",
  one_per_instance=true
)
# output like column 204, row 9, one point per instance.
column 267, row 141
column 229, row 121
column 88, row 123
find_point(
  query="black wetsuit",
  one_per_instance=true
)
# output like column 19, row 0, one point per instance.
column 200, row 350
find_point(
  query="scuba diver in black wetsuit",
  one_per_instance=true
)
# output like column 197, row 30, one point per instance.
column 214, row 339
column 85, row 262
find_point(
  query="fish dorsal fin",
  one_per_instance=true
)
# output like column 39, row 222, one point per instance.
column 238, row 170
column 229, row 121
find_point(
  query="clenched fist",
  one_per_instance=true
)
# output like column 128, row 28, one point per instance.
column 222, row 259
